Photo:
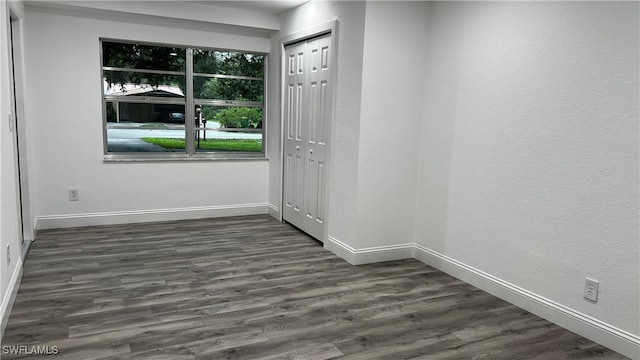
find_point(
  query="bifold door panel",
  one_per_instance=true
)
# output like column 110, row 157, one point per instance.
column 306, row 120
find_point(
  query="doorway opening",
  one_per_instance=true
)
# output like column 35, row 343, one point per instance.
column 18, row 126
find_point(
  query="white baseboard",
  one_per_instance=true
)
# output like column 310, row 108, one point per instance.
column 368, row 255
column 591, row 328
column 141, row 216
column 582, row 324
column 10, row 296
column 274, row 211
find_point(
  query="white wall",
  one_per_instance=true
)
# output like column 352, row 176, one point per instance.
column 274, row 127
column 343, row 183
column 393, row 75
column 511, row 139
column 500, row 137
column 529, row 158
column 377, row 120
column 65, row 134
column 9, row 210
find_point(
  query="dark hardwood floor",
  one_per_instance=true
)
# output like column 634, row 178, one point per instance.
column 254, row 288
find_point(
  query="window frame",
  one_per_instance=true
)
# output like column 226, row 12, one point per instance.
column 189, row 102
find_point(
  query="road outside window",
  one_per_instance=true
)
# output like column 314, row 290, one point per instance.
column 181, row 102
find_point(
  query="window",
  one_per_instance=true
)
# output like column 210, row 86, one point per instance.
column 164, row 101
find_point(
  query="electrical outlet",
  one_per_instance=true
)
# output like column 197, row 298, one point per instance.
column 591, row 289
column 8, row 254
column 73, row 195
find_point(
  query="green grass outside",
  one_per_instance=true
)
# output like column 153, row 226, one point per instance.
column 210, row 144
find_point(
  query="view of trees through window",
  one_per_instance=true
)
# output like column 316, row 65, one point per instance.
column 148, row 88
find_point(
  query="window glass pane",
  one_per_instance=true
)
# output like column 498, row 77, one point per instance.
column 145, row 127
column 228, row 129
column 121, row 83
column 146, row 96
column 136, row 56
column 228, row 89
column 228, row 63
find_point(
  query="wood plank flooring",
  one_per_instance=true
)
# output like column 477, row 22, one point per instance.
column 254, row 288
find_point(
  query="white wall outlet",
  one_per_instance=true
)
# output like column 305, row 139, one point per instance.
column 8, row 254
column 591, row 289
column 73, row 195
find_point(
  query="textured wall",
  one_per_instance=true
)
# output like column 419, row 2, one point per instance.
column 65, row 136
column 529, row 159
column 273, row 123
column 393, row 75
column 9, row 210
column 343, row 182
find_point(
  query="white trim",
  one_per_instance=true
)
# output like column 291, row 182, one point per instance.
column 141, row 216
column 582, row 324
column 341, row 249
column 17, row 7
column 330, row 27
column 10, row 296
column 370, row 254
column 274, row 211
column 587, row 326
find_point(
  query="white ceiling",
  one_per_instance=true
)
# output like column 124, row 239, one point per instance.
column 252, row 17
column 269, row 6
